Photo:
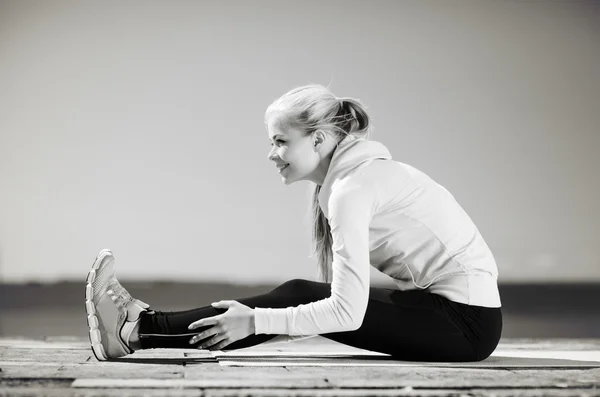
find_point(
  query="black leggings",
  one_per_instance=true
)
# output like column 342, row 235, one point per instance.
column 411, row 325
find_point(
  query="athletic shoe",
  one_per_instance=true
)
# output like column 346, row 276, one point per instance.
column 111, row 310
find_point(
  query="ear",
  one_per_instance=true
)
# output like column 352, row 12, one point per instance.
column 318, row 138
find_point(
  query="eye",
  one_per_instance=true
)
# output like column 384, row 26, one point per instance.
column 278, row 140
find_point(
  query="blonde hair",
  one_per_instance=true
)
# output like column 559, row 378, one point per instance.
column 314, row 107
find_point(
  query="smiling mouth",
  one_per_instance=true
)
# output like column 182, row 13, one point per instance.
column 284, row 167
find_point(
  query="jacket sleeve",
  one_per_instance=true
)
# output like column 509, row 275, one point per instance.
column 350, row 213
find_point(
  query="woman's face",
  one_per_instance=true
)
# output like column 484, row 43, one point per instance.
column 291, row 146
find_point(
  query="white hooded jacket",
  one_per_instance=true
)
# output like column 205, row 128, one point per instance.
column 389, row 215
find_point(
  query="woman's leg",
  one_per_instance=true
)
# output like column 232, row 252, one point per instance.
column 170, row 329
column 420, row 326
column 409, row 325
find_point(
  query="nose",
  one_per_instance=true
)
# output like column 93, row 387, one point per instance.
column 271, row 154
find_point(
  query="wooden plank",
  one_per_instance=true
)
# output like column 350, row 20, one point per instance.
column 22, row 371
column 70, row 392
column 45, row 355
column 382, row 377
column 188, row 369
column 226, row 383
column 404, row 392
column 124, row 371
column 215, row 376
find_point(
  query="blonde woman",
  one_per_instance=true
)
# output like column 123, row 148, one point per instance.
column 369, row 210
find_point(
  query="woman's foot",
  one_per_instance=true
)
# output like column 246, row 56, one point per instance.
column 112, row 313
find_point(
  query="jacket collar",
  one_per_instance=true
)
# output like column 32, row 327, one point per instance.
column 350, row 153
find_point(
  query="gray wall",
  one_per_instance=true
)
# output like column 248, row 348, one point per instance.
column 138, row 126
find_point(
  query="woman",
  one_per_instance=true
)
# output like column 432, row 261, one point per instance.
column 368, row 210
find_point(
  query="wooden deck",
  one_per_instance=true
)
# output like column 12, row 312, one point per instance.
column 66, row 367
column 37, row 360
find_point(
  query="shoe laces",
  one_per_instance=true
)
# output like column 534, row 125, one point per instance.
column 119, row 295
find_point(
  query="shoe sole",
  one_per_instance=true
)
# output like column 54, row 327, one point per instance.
column 92, row 320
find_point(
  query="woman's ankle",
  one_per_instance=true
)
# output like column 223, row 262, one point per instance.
column 130, row 334
column 134, row 338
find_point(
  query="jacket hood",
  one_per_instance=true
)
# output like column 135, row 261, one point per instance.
column 350, row 154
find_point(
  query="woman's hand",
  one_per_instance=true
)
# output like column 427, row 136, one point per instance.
column 235, row 324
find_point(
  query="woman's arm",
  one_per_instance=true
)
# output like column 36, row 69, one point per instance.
column 350, row 213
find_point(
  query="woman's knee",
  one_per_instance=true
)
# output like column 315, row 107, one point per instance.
column 294, row 286
column 302, row 287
